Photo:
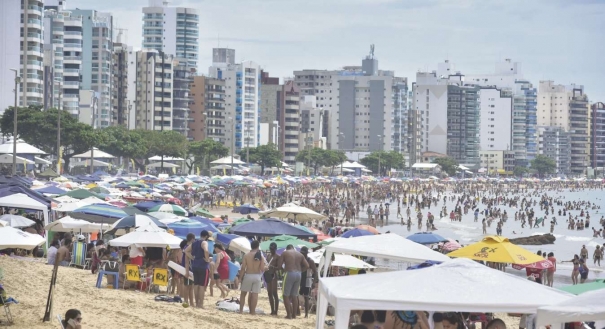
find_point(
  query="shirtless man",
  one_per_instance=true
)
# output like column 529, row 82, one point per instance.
column 294, row 263
column 63, row 257
column 251, row 271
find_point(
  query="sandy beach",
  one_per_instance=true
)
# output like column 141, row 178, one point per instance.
column 28, row 282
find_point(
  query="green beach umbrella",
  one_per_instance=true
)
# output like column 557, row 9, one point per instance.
column 283, row 241
column 204, row 212
column 171, row 208
column 82, row 194
column 584, row 287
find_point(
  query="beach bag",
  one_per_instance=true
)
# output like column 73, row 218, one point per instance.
column 111, row 266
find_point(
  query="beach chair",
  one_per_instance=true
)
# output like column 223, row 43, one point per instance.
column 159, row 279
column 7, row 311
column 78, row 254
column 132, row 274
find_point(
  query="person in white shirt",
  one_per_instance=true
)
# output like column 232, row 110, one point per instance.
column 51, row 253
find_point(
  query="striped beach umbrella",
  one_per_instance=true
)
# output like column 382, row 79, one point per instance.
column 171, row 208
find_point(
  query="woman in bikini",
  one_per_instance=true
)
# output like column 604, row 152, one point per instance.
column 271, row 278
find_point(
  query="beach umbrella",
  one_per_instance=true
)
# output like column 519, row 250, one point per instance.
column 355, row 233
column 51, row 190
column 240, row 221
column 99, row 190
column 281, row 250
column 426, row 238
column 82, row 194
column 234, row 242
column 186, row 226
column 68, row 224
column 451, row 245
column 133, row 221
column 368, row 228
column 295, row 212
column 497, row 249
column 16, row 221
column 541, row 265
column 11, row 237
column 146, row 205
column 581, row 288
column 171, row 208
column 147, row 237
column 203, row 220
column 329, row 241
column 302, row 227
column 270, row 227
column 99, row 213
column 283, row 241
column 204, row 212
column 246, row 209
column 164, row 215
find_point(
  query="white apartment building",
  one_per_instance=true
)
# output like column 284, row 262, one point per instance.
column 496, row 119
column 242, row 98
column 567, row 107
column 154, row 90
column 63, row 42
column 174, row 30
column 21, row 52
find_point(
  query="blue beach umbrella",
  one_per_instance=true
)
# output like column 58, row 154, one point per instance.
column 186, row 226
column 356, row 232
column 426, row 238
column 246, row 209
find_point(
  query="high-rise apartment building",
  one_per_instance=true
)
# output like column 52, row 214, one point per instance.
column 567, row 107
column 554, row 142
column 366, row 105
column 120, row 103
column 22, row 52
column 96, row 69
column 515, row 127
column 173, row 30
column 289, row 119
column 207, row 109
column 270, row 105
column 242, row 91
column 448, row 112
column 154, row 90
column 597, row 136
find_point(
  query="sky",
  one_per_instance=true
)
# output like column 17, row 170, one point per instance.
column 560, row 40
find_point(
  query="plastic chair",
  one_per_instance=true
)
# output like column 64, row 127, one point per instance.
column 7, row 311
column 102, row 273
column 78, row 254
column 160, row 279
column 132, row 274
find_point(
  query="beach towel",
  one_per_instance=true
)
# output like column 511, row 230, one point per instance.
column 78, row 254
column 164, row 298
column 232, row 305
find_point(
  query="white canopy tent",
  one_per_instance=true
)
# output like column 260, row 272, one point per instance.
column 159, row 158
column 8, row 158
column 147, row 237
column 68, row 224
column 588, row 306
column 228, row 160
column 458, row 285
column 159, row 165
column 71, row 206
column 11, row 237
column 15, row 221
column 23, row 201
column 354, row 164
column 42, row 161
column 86, row 163
column 97, row 154
column 22, row 148
column 389, row 246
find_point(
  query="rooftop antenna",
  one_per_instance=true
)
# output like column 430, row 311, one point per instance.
column 372, row 51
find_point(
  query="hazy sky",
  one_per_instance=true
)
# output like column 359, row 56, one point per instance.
column 560, row 40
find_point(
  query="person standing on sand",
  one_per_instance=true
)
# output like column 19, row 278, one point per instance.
column 294, row 263
column 251, row 271
column 308, row 279
column 63, row 257
column 198, row 253
column 271, row 277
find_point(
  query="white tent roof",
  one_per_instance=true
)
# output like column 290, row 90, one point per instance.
column 71, row 206
column 588, row 306
column 159, row 158
column 349, row 261
column 42, row 161
column 390, row 246
column 470, row 287
column 11, row 237
column 221, row 167
column 295, row 212
column 227, row 160
column 68, row 224
column 21, row 201
column 98, row 154
column 86, row 163
column 8, row 158
column 355, row 164
column 422, row 165
column 150, row 238
column 159, row 165
column 22, row 148
column 15, row 221
column 463, row 167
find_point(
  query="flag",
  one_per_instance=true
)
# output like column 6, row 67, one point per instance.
column 198, row 171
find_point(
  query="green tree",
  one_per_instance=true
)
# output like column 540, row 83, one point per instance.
column 449, row 165
column 39, row 128
column 387, row 160
column 520, row 171
column 313, row 158
column 543, row 165
column 264, row 156
column 205, row 151
column 121, row 142
column 333, row 158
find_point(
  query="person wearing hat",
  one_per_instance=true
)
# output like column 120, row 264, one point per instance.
column 198, row 253
column 307, row 280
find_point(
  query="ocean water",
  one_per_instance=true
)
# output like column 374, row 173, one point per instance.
column 568, row 242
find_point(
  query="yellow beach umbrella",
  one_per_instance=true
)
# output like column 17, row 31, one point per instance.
column 497, row 249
